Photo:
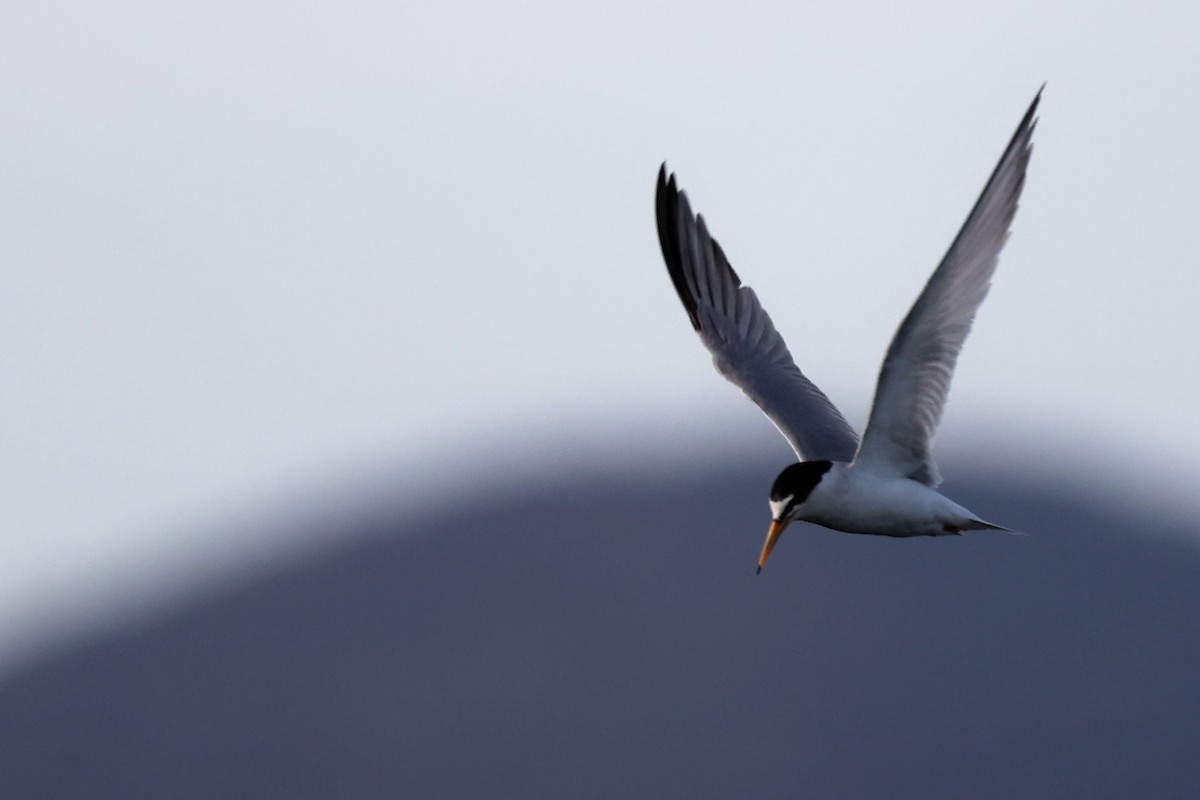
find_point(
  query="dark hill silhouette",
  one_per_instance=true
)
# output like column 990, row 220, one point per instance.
column 609, row 638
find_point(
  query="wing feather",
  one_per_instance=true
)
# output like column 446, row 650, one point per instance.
column 915, row 377
column 744, row 344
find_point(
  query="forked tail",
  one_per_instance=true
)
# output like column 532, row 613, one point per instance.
column 980, row 525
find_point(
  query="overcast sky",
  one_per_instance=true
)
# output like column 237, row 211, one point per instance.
column 252, row 250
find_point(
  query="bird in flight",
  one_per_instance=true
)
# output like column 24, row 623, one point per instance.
column 885, row 484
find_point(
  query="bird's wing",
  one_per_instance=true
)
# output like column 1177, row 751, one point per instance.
column 745, row 346
column 916, row 372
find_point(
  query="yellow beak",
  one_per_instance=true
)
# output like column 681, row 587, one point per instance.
column 777, row 527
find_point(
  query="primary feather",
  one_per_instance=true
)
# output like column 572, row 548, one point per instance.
column 739, row 334
column 915, row 377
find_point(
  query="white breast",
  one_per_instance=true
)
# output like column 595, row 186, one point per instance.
column 860, row 502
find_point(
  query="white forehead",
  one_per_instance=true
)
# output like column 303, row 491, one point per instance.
column 777, row 506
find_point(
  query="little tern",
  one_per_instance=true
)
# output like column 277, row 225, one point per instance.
column 887, row 484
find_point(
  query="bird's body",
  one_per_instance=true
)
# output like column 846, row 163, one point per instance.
column 854, row 500
column 885, row 484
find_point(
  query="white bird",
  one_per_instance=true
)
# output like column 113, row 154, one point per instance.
column 887, row 484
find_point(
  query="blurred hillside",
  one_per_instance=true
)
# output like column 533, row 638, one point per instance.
column 606, row 636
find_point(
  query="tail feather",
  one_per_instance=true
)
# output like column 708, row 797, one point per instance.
column 980, row 525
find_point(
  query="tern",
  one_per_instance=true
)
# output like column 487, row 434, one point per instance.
column 886, row 484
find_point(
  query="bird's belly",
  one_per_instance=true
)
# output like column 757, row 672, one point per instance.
column 893, row 508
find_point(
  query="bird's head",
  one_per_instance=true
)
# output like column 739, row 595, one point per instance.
column 788, row 496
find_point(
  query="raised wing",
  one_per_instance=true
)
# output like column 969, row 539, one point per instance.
column 915, row 377
column 745, row 346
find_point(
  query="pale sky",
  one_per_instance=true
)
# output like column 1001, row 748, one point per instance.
column 258, row 252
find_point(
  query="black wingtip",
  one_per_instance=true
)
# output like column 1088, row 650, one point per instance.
column 1037, row 98
column 758, row 571
column 1029, row 121
column 666, row 211
column 1019, row 146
